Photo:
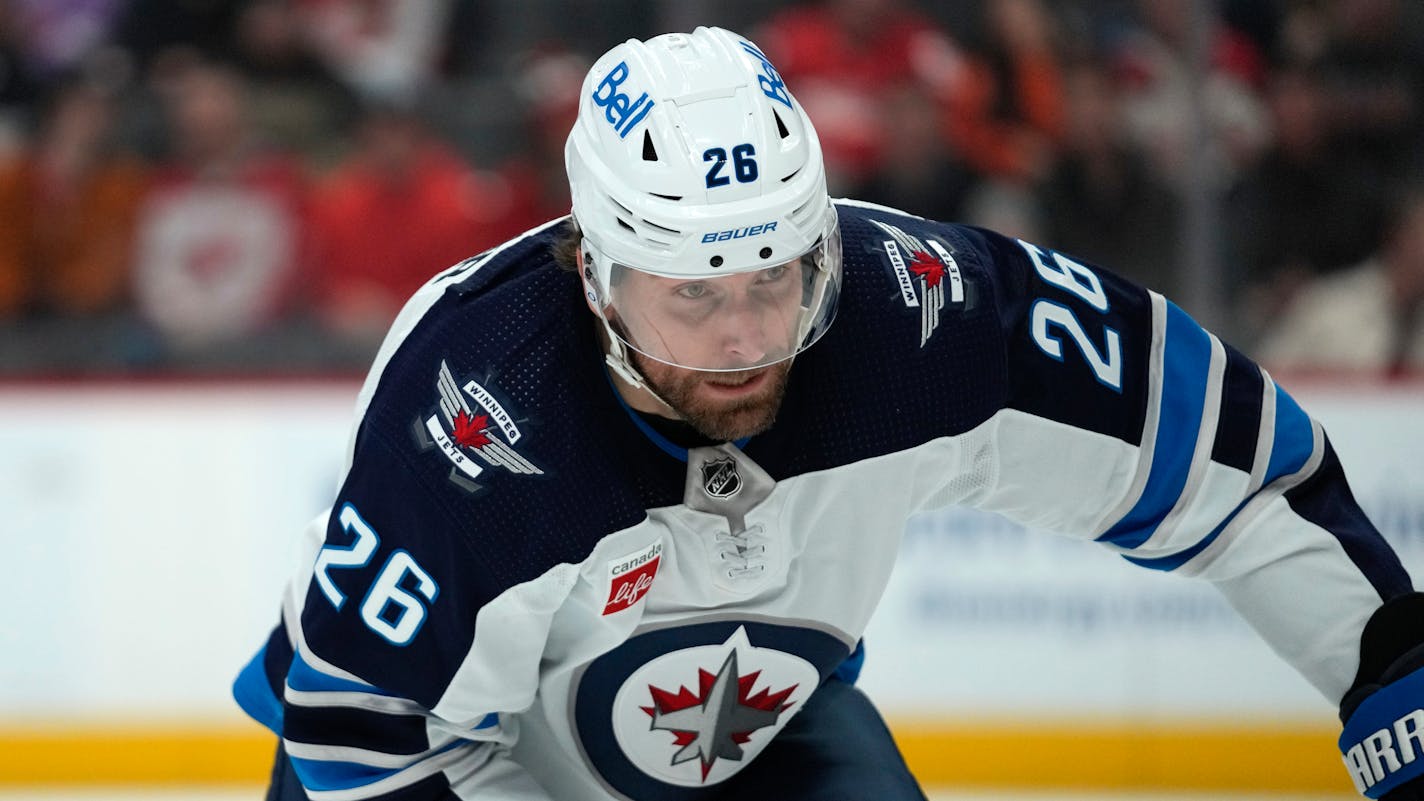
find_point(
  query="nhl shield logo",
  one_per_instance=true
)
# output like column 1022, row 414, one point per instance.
column 720, row 478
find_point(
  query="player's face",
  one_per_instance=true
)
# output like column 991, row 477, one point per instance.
column 733, row 322
column 743, row 327
column 724, row 406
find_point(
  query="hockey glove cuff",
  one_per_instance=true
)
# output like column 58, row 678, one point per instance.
column 1383, row 740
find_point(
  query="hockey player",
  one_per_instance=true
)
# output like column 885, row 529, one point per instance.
column 621, row 500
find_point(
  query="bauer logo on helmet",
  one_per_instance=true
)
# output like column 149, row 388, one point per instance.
column 738, row 233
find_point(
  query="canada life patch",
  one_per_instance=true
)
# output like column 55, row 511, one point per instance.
column 630, row 577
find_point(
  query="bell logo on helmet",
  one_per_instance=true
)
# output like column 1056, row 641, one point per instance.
column 770, row 80
column 618, row 109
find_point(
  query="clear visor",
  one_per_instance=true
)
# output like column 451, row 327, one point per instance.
column 739, row 321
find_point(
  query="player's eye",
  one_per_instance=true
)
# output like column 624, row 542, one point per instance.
column 693, row 291
column 772, row 274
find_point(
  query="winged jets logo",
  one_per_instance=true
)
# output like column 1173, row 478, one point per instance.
column 923, row 269
column 462, row 433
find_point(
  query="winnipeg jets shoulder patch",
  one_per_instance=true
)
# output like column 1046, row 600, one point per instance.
column 924, row 269
column 473, row 440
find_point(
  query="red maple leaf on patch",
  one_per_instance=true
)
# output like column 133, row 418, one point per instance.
column 684, row 698
column 470, row 432
column 704, row 725
column 765, row 699
column 928, row 267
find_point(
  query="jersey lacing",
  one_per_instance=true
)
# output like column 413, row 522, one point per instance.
column 743, row 552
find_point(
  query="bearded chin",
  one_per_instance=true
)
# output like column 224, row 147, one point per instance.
column 723, row 422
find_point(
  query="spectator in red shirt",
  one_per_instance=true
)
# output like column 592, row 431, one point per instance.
column 220, row 236
column 399, row 207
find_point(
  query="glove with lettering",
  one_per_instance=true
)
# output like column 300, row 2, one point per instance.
column 1383, row 713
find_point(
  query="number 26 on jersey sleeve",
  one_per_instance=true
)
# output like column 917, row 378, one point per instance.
column 1048, row 317
column 389, row 609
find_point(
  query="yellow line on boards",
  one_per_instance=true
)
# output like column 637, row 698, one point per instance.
column 136, row 756
column 1300, row 759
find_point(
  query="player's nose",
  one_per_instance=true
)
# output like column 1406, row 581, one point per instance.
column 743, row 333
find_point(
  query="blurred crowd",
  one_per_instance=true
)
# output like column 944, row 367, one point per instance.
column 245, row 186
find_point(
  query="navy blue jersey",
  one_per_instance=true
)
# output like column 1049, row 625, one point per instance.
column 523, row 588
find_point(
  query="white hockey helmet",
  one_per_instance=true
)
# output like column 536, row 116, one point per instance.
column 709, row 239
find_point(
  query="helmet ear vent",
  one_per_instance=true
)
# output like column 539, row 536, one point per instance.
column 780, row 126
column 650, row 153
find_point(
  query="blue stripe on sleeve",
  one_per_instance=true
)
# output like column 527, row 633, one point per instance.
column 1186, row 360
column 849, row 670
column 1294, row 438
column 305, row 678
column 1176, row 560
column 254, row 694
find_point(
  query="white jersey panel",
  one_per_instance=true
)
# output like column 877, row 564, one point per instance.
column 500, row 672
column 1280, row 555
column 1054, row 476
column 1216, row 494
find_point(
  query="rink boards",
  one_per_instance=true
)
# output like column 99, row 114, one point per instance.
column 148, row 529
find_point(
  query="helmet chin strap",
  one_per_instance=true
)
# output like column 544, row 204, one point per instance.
column 615, row 352
column 616, row 357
